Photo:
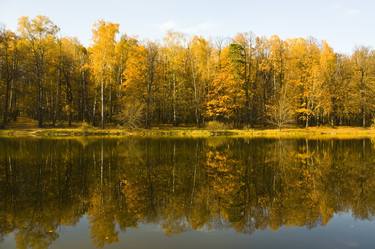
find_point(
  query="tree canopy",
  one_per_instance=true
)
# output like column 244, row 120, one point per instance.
column 242, row 81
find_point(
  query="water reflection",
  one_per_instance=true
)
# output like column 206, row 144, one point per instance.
column 185, row 184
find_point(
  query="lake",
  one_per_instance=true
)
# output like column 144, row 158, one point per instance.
column 186, row 193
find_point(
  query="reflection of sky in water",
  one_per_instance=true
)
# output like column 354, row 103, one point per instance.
column 343, row 231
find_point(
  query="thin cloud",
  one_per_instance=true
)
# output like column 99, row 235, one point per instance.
column 348, row 11
column 202, row 27
column 353, row 12
column 198, row 28
column 168, row 25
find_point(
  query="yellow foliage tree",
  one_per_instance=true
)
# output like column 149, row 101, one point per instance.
column 103, row 56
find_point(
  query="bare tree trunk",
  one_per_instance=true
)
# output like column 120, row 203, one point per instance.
column 6, row 102
column 363, row 98
column 94, row 109
column 69, row 97
column 101, row 164
column 110, row 103
column 102, row 109
column 363, row 118
column 11, row 100
column 174, row 101
column 196, row 102
column 84, row 99
column 40, row 108
column 151, row 61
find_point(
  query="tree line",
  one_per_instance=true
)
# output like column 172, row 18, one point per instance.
column 244, row 81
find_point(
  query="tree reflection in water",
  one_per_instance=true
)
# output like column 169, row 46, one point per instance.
column 181, row 184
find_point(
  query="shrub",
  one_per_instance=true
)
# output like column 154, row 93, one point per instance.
column 131, row 115
column 216, row 125
column 373, row 123
column 85, row 126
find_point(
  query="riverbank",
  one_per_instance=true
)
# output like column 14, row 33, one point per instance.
column 312, row 133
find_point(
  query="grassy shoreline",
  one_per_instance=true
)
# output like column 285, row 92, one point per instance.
column 312, row 133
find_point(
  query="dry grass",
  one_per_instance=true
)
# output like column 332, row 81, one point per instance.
column 311, row 133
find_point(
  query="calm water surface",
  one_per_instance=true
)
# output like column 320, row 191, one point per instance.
column 186, row 193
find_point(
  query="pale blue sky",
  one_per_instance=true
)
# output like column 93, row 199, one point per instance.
column 343, row 23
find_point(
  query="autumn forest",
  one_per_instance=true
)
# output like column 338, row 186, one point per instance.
column 119, row 80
